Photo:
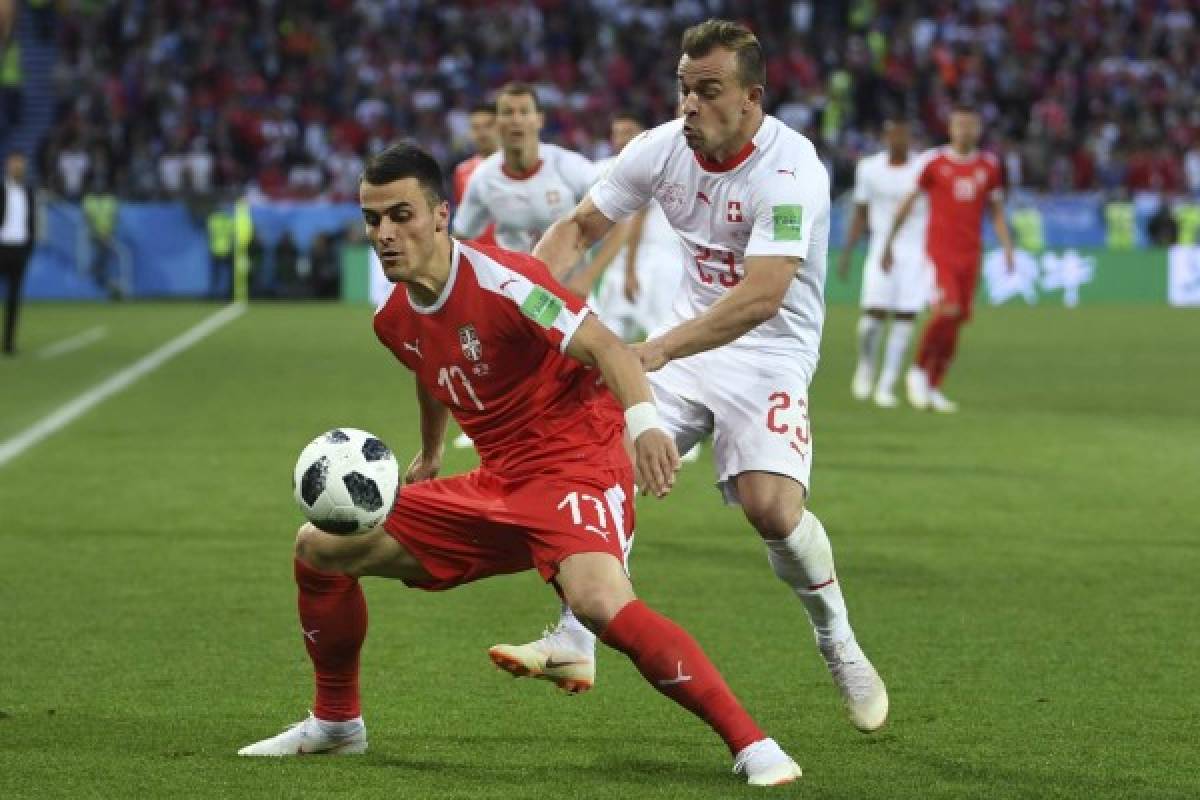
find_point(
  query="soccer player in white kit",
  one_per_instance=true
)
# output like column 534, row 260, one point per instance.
column 881, row 182
column 749, row 198
column 527, row 184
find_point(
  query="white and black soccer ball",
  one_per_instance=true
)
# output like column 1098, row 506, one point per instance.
column 345, row 481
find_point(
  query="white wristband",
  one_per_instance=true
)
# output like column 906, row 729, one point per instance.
column 640, row 418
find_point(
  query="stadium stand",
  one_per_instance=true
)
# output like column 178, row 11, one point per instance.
column 158, row 99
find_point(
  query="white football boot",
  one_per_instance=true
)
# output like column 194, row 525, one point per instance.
column 863, row 693
column 916, row 383
column 765, row 764
column 462, row 441
column 940, row 403
column 884, row 398
column 556, row 657
column 308, row 737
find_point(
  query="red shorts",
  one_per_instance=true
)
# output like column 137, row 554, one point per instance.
column 955, row 284
column 471, row 526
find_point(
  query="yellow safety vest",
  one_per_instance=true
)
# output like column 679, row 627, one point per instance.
column 220, row 234
column 1187, row 215
column 1027, row 225
column 10, row 64
column 1121, row 226
column 243, row 227
column 101, row 213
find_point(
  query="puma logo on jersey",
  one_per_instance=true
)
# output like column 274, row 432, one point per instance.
column 415, row 346
column 791, row 172
column 704, row 197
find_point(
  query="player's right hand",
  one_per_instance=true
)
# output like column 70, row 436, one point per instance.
column 655, row 462
column 423, row 468
column 632, row 288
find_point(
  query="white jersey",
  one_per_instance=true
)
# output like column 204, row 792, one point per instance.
column 771, row 199
column 882, row 186
column 523, row 206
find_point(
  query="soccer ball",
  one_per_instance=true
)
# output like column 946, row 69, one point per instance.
column 345, row 481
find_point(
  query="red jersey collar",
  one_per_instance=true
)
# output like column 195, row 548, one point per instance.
column 732, row 162
column 520, row 176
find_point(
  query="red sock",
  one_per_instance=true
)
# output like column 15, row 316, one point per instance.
column 675, row 665
column 947, row 343
column 333, row 617
column 930, row 342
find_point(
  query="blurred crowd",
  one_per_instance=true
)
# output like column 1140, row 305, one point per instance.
column 168, row 98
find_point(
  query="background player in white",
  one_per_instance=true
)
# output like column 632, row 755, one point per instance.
column 749, row 198
column 527, row 184
column 524, row 186
column 639, row 264
column 881, row 182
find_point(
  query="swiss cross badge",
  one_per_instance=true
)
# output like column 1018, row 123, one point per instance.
column 471, row 346
column 733, row 212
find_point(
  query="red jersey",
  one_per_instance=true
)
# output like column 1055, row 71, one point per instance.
column 492, row 350
column 462, row 173
column 959, row 189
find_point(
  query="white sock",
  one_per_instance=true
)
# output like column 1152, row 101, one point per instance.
column 580, row 637
column 870, row 330
column 804, row 561
column 340, row 728
column 893, row 353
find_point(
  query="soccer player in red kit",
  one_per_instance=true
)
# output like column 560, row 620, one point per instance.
column 960, row 182
column 496, row 342
column 482, row 131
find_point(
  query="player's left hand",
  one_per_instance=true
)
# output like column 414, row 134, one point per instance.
column 423, row 468
column 652, row 354
column 655, row 462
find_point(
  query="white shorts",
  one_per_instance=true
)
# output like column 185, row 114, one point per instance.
column 905, row 288
column 659, row 273
column 754, row 404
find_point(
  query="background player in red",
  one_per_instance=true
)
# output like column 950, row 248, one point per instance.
column 482, row 131
column 495, row 341
column 960, row 182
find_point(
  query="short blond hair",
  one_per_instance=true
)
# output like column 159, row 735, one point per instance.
column 700, row 40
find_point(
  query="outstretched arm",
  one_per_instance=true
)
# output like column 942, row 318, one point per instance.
column 569, row 238
column 655, row 457
column 581, row 282
column 752, row 302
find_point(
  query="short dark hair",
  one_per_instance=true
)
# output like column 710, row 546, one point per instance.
column 406, row 160
column 633, row 116
column 483, row 108
column 517, row 89
column 700, row 40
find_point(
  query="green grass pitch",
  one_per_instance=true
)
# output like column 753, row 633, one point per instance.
column 1024, row 575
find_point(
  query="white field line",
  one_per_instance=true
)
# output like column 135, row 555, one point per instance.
column 72, row 410
column 72, row 343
